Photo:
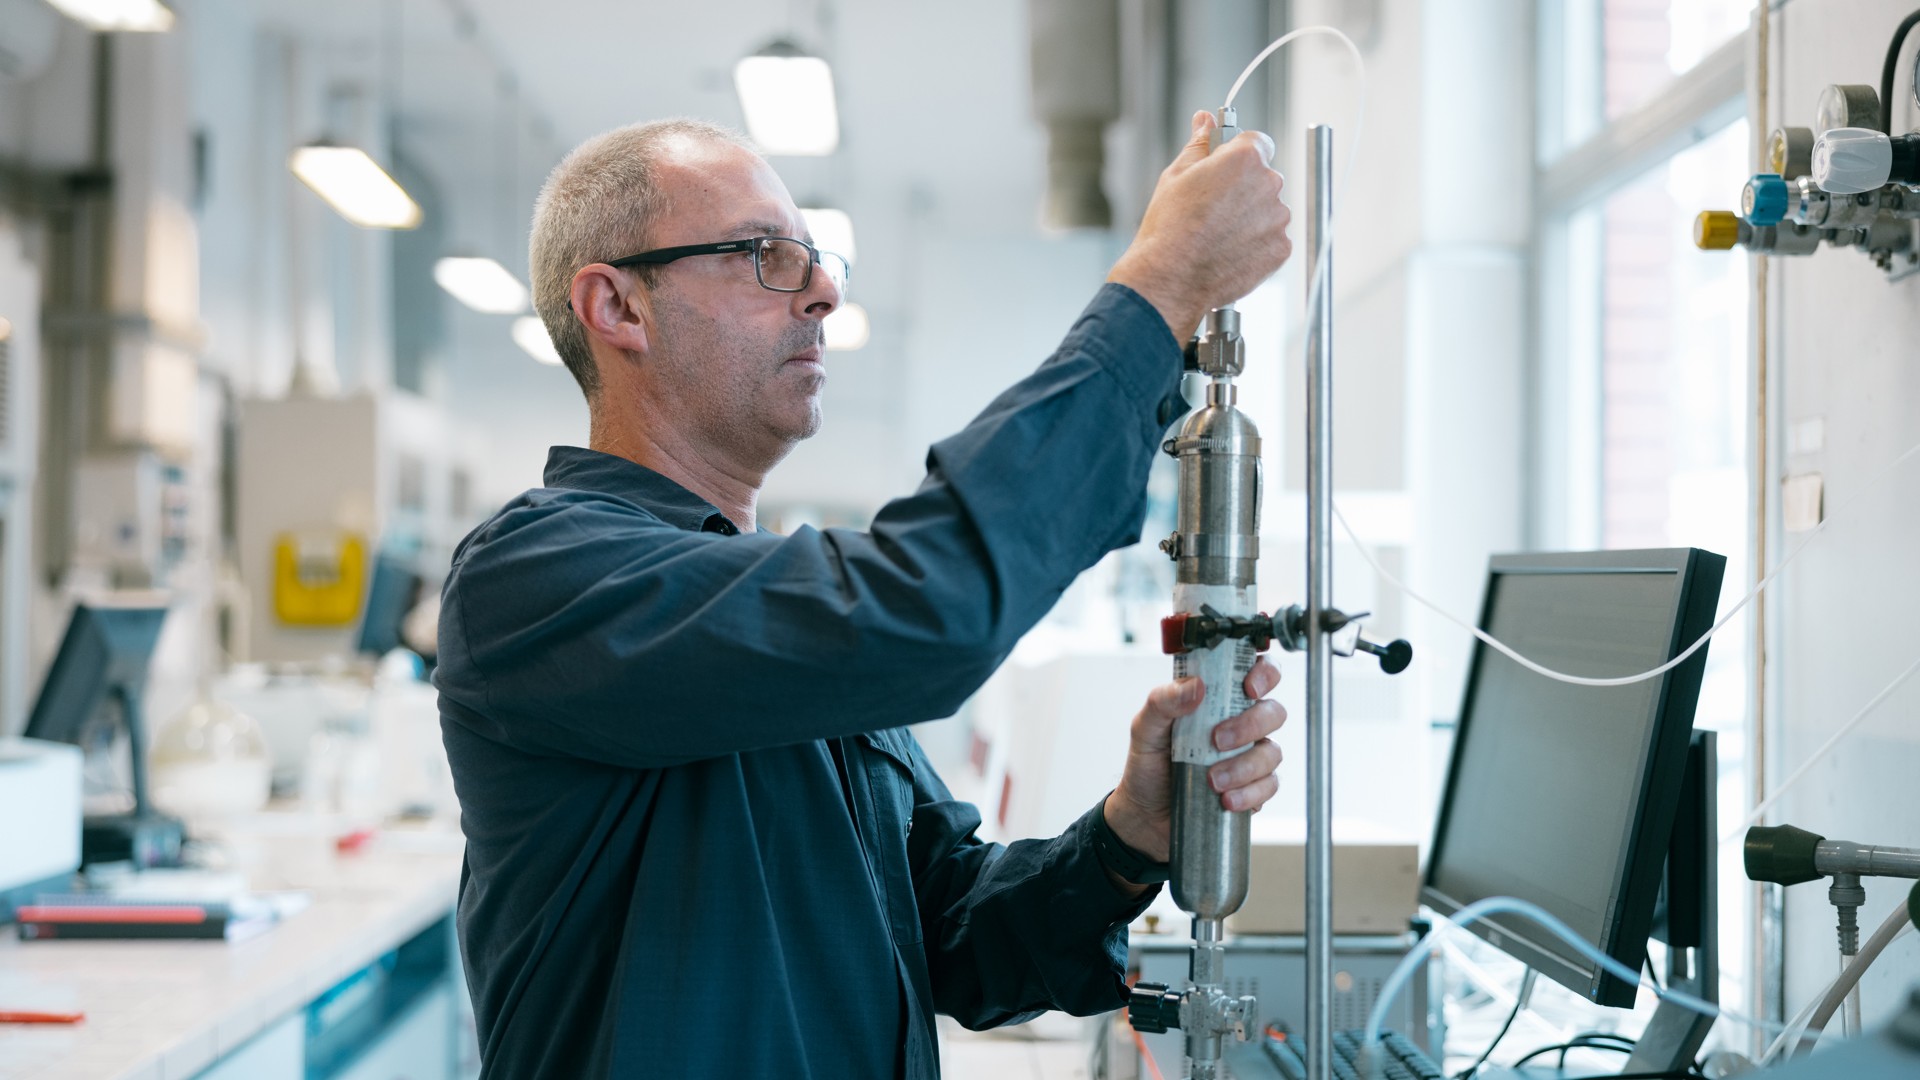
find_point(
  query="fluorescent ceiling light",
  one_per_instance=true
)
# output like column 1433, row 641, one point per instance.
column 141, row 15
column 481, row 284
column 356, row 186
column 531, row 334
column 832, row 231
column 787, row 97
column 847, row 328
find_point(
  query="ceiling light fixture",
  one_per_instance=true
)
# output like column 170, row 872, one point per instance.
column 787, row 97
column 355, row 185
column 482, row 284
column 145, row 16
column 531, row 334
column 847, row 328
column 832, row 231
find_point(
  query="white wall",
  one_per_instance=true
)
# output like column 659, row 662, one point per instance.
column 1841, row 340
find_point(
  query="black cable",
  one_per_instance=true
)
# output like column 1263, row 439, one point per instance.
column 1580, row 1043
column 1519, row 1002
column 1610, row 1036
column 1886, row 71
column 1672, row 1074
column 1591, row 1045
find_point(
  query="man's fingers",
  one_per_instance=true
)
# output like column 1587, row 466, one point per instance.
column 1261, row 142
column 1262, row 719
column 1258, row 761
column 1253, row 796
column 1153, row 724
column 1171, row 701
column 1198, row 142
column 1261, row 679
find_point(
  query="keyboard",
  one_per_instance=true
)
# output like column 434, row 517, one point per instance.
column 1399, row 1058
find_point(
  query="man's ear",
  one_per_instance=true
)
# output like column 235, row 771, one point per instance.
column 613, row 309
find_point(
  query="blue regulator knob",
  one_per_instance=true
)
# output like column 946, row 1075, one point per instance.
column 1764, row 202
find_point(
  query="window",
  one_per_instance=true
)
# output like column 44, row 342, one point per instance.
column 1642, row 356
column 1646, row 44
column 1603, row 60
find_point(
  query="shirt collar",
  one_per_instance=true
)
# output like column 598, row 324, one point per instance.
column 580, row 469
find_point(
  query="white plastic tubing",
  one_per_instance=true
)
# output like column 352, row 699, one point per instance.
column 1494, row 905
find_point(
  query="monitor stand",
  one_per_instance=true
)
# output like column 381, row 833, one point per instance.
column 145, row 840
column 1688, row 921
column 146, row 837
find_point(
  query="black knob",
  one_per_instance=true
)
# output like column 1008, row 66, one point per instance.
column 1394, row 656
column 1153, row 1008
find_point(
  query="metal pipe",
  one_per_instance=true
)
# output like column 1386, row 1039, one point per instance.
column 1319, row 599
column 1837, row 857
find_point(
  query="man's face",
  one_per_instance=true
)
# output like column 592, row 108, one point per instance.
column 741, row 363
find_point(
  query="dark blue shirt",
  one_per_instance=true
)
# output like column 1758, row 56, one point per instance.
column 699, row 841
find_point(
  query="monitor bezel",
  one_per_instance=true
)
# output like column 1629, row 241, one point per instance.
column 1656, row 797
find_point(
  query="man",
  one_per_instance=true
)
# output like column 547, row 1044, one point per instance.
column 699, row 840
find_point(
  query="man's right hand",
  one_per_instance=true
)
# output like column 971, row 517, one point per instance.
column 1214, row 229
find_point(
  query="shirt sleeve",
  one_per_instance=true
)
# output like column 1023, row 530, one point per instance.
column 1014, row 930
column 577, row 624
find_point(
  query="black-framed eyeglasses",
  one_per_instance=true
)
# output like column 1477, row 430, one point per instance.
column 780, row 263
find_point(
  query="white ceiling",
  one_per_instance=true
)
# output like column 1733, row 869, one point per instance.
column 938, row 152
column 933, row 98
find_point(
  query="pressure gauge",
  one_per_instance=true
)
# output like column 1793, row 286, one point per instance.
column 1790, row 151
column 1847, row 106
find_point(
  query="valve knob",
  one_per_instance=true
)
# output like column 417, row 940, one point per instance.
column 1153, row 1008
column 1394, row 656
column 1850, row 160
column 1764, row 202
column 1716, row 230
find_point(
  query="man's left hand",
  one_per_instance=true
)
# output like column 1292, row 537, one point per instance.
column 1140, row 810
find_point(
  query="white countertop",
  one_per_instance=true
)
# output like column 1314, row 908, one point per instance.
column 164, row 1010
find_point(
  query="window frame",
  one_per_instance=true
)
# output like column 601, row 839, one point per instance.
column 1581, row 159
column 1571, row 183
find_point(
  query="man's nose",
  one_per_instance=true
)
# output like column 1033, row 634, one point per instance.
column 822, row 296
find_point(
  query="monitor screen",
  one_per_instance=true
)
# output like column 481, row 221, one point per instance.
column 1565, row 795
column 390, row 596
column 104, row 653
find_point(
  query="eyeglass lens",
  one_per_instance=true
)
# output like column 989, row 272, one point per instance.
column 784, row 265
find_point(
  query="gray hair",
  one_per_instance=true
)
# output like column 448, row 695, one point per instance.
column 600, row 203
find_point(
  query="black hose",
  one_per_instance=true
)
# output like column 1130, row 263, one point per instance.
column 1886, row 71
column 1584, row 1042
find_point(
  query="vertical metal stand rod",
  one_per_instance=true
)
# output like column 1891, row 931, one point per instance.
column 1319, row 598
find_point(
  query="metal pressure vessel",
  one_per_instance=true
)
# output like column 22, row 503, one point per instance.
column 1216, row 546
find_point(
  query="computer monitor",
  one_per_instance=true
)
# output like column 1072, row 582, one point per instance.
column 1567, row 796
column 394, row 590
column 93, row 692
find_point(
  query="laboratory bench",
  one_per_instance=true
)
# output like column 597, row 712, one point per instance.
column 363, row 984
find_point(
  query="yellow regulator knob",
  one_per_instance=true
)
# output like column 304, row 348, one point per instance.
column 1716, row 230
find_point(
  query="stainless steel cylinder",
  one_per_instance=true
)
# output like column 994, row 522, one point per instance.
column 1319, row 868
column 1216, row 548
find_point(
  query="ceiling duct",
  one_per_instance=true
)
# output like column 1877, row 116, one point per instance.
column 1076, row 94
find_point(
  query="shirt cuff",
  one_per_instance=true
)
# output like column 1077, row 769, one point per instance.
column 1121, row 907
column 1133, row 342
